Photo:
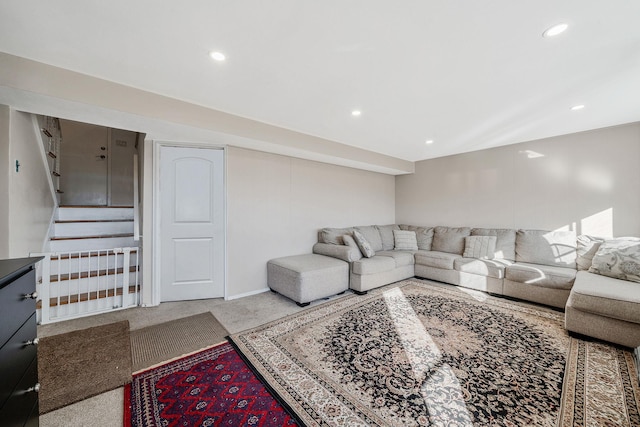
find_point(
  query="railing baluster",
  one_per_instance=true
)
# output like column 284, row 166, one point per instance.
column 90, row 284
column 45, row 312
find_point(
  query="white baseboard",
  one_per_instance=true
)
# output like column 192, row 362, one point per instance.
column 247, row 294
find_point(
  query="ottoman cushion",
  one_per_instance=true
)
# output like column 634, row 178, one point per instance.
column 606, row 296
column 305, row 278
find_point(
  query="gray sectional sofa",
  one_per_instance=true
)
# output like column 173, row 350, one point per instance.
column 534, row 265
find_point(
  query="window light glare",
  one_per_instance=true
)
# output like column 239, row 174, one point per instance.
column 555, row 30
column 356, row 113
column 429, row 141
column 577, row 107
column 218, row 56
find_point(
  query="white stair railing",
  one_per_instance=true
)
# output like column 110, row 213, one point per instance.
column 83, row 283
column 136, row 204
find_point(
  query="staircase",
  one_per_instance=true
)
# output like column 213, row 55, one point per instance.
column 92, row 266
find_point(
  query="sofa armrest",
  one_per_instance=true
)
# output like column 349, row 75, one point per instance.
column 343, row 252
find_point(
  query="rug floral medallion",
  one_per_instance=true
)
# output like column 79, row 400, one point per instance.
column 415, row 354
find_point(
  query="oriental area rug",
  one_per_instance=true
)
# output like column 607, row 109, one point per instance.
column 418, row 354
column 212, row 387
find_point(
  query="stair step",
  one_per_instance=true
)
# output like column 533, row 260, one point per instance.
column 87, row 274
column 87, row 296
column 94, row 207
column 81, row 221
column 64, row 264
column 71, row 213
column 106, row 236
column 87, row 254
column 92, row 228
column 85, row 244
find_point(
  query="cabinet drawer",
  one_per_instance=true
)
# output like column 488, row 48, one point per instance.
column 16, row 410
column 15, row 308
column 15, row 357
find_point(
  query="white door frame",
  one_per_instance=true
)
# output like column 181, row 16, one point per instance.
column 156, row 255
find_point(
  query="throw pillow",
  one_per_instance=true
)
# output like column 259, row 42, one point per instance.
column 333, row 236
column 587, row 247
column 362, row 243
column 481, row 247
column 405, row 240
column 618, row 258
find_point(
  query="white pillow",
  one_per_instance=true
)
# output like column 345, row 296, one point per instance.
column 405, row 240
column 618, row 258
column 363, row 244
column 481, row 247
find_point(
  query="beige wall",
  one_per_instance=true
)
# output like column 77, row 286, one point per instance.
column 4, row 180
column 587, row 181
column 276, row 204
column 31, row 204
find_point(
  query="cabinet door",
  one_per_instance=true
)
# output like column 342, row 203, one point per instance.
column 15, row 308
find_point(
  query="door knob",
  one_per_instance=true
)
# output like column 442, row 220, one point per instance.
column 103, row 148
column 101, row 157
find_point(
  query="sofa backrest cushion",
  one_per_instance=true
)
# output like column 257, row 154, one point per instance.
column 386, row 234
column 424, row 236
column 450, row 239
column 333, row 236
column 505, row 241
column 555, row 248
column 587, row 248
column 371, row 233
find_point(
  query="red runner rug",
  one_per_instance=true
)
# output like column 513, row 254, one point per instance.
column 209, row 388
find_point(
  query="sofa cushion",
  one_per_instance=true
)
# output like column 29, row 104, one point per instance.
column 618, row 258
column 481, row 247
column 405, row 240
column 505, row 241
column 424, row 236
column 371, row 233
column 546, row 276
column 386, row 234
column 333, row 236
column 555, row 248
column 436, row 259
column 450, row 239
column 606, row 296
column 376, row 264
column 401, row 258
column 363, row 244
column 482, row 267
column 587, row 248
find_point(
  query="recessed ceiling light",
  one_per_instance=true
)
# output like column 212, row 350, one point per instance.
column 218, row 56
column 555, row 30
column 577, row 107
column 429, row 141
column 356, row 113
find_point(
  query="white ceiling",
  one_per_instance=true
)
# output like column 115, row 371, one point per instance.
column 467, row 74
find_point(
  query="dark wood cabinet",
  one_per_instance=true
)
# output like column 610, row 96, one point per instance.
column 18, row 352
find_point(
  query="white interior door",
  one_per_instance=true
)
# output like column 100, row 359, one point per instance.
column 191, row 223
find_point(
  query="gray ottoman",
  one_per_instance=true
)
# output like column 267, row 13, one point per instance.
column 305, row 278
